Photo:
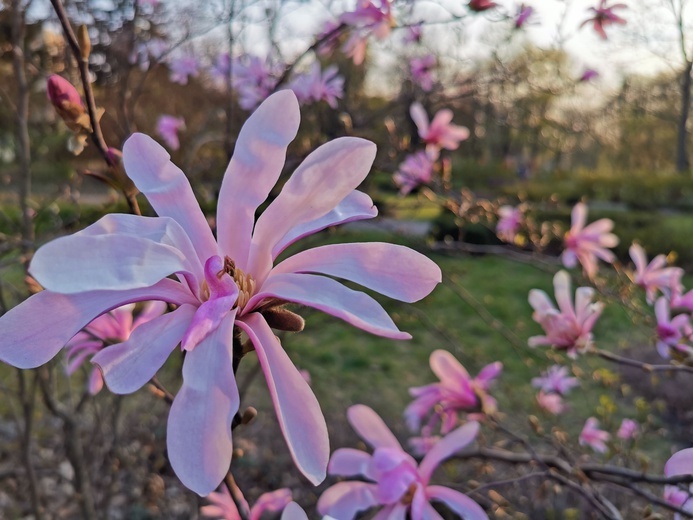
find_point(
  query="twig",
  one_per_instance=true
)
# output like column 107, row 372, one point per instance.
column 237, row 496
column 647, row 367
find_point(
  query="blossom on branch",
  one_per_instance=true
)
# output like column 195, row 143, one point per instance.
column 393, row 479
column 223, row 286
column 168, row 127
column 628, row 429
column 318, row 85
column 586, row 244
column 366, row 20
column 593, row 437
column 417, row 169
column 603, row 16
column 672, row 332
column 509, row 222
column 566, row 327
column 440, row 133
column 422, row 71
column 680, row 463
column 181, row 68
column 654, row 277
column 552, row 403
column 555, row 380
column 254, row 79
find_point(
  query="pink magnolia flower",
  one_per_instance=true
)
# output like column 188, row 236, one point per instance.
column 680, row 463
column 112, row 327
column 181, row 68
column 628, row 429
column 319, row 85
column 588, row 75
column 328, row 38
column 221, row 68
column 223, row 285
column 456, row 392
column 603, row 16
column 654, row 276
column 417, row 169
column 567, row 327
column 422, row 71
column 593, row 437
column 524, row 13
column 440, row 133
column 509, row 222
column 556, row 380
column 671, row 333
column 394, row 481
column 552, row 403
column 254, row 79
column 413, row 33
column 168, row 127
column 585, row 244
column 366, row 20
column 681, row 300
column 481, row 5
column 223, row 507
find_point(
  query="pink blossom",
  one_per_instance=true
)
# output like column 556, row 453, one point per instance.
column 222, row 286
column 319, row 85
column 422, row 71
column 603, row 16
column 168, row 127
column 593, row 437
column 552, row 403
column 440, row 133
column 413, row 33
column 556, row 380
column 181, row 68
column 567, row 327
column 509, row 222
column 585, row 244
column 628, row 429
column 671, row 333
column 393, row 480
column 366, row 20
column 61, row 93
column 680, row 463
column 329, row 37
column 254, row 79
column 222, row 505
column 112, row 327
column 654, row 277
column 417, row 169
column 420, row 446
column 221, row 68
column 481, row 5
column 679, row 300
column 588, row 75
column 456, row 392
column 523, row 15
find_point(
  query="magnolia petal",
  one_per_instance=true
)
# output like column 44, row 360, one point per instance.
column 348, row 462
column 207, row 318
column 457, row 502
column 429, row 513
column 79, row 263
column 254, row 169
column 393, row 512
column 317, row 186
column 168, row 190
column 420, row 118
column 355, row 206
column 680, row 463
column 34, row 331
column 128, row 366
column 199, row 423
column 447, row 368
column 331, row 297
column 540, row 301
column 371, row 428
column 578, row 217
column 561, row 288
column 298, row 411
column 293, row 511
column 446, row 447
column 395, row 271
column 347, row 499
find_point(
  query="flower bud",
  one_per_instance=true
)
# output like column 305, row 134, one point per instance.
column 66, row 100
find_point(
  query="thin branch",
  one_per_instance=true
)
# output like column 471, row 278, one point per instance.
column 647, row 367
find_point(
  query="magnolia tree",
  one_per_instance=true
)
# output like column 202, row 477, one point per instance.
column 129, row 291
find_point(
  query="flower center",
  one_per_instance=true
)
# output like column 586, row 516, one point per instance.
column 245, row 282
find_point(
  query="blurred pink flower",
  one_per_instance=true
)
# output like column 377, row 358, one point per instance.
column 556, row 380
column 328, row 37
column 222, row 506
column 585, row 244
column 567, row 327
column 61, row 93
column 588, row 75
column 481, row 5
column 317, row 85
column 440, row 133
column 181, row 68
column 654, row 276
column 254, row 79
column 628, row 429
column 414, row 33
column 680, row 463
column 593, row 437
column 223, row 285
column 366, row 20
column 420, row 446
column 524, row 13
column 671, row 333
column 456, row 392
column 680, row 300
column 221, row 68
column 422, row 71
column 168, row 127
column 552, row 403
column 603, row 16
column 509, row 222
column 112, row 327
column 417, row 169
column 393, row 480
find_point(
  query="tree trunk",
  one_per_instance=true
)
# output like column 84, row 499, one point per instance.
column 682, row 164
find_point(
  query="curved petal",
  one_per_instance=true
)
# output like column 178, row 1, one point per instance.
column 355, row 206
column 392, row 512
column 395, row 271
column 298, row 411
column 420, row 118
column 447, row 368
column 348, row 462
column 254, row 169
column 317, row 186
column 79, row 263
column 371, row 428
column 293, row 511
column 457, row 502
column 330, row 296
column 128, row 366
column 540, row 301
column 429, row 513
column 680, row 463
column 561, row 287
column 199, row 423
column 447, row 446
column 578, row 217
column 346, row 499
column 34, row 331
